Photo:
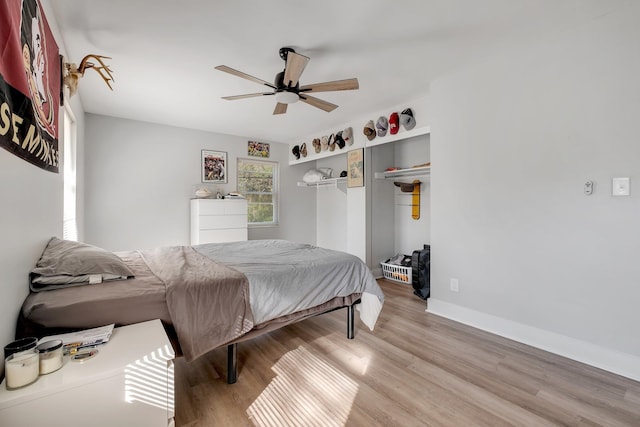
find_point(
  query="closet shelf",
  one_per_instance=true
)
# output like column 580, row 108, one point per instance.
column 333, row 182
column 419, row 171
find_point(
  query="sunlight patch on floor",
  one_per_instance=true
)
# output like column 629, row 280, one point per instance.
column 307, row 391
column 150, row 380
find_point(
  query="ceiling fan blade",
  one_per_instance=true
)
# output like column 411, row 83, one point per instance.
column 347, row 84
column 318, row 103
column 280, row 108
column 294, row 68
column 243, row 75
column 249, row 95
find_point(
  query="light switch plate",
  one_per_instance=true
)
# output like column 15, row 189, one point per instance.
column 620, row 186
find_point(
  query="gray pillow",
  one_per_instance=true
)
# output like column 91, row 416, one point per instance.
column 66, row 263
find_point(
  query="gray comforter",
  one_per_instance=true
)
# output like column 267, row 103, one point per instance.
column 286, row 277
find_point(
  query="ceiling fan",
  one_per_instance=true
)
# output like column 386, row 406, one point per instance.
column 286, row 86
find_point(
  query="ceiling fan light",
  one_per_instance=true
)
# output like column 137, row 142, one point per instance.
column 285, row 97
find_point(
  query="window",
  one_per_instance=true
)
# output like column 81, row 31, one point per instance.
column 69, row 224
column 258, row 182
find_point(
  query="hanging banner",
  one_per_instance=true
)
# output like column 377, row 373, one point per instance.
column 30, row 77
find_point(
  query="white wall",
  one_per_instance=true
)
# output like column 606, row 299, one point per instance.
column 513, row 141
column 140, row 177
column 30, row 214
column 331, row 206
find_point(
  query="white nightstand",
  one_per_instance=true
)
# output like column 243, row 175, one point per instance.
column 128, row 383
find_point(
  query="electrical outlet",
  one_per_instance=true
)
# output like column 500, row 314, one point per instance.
column 453, row 284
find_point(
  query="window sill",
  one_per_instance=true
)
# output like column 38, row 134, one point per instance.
column 266, row 225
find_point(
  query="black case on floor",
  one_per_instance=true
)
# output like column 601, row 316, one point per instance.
column 421, row 272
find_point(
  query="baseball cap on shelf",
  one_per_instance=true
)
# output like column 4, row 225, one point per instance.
column 347, row 135
column 407, row 120
column 339, row 140
column 369, row 130
column 316, row 144
column 324, row 143
column 393, row 123
column 332, row 142
column 303, row 149
column 382, row 125
column 296, row 151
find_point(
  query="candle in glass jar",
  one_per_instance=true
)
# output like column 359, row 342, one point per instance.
column 21, row 369
column 50, row 356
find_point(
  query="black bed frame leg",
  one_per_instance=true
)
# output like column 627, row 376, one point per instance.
column 232, row 363
column 350, row 321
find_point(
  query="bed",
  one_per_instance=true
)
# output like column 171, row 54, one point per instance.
column 207, row 296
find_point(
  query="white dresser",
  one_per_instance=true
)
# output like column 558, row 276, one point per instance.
column 218, row 220
column 128, row 383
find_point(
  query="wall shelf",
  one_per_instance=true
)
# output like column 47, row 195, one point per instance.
column 330, row 182
column 419, row 171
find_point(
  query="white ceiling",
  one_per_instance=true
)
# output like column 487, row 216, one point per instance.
column 164, row 53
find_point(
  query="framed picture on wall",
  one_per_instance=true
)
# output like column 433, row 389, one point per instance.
column 213, row 165
column 355, row 168
column 258, row 149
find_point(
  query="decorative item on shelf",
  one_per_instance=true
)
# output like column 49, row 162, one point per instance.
column 355, row 168
column 347, row 135
column 234, row 195
column 343, row 174
column 324, row 143
column 339, row 140
column 332, row 142
column 303, row 149
column 369, row 130
column 203, row 193
column 407, row 120
column 316, row 145
column 394, row 122
column 74, row 72
column 382, row 125
column 214, row 166
column 296, row 152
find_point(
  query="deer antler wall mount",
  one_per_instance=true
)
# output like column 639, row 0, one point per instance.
column 75, row 72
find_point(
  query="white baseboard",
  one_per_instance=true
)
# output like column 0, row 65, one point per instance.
column 614, row 361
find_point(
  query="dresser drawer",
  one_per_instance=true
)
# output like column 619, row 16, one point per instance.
column 217, row 222
column 221, row 207
column 220, row 236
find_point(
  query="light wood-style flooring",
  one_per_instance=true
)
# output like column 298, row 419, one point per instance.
column 415, row 369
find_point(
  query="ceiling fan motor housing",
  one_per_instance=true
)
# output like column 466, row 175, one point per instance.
column 284, row 52
column 280, row 86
